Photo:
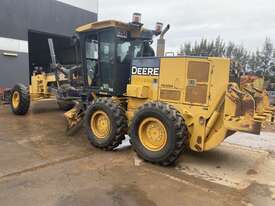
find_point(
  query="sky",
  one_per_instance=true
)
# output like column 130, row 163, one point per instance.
column 246, row 22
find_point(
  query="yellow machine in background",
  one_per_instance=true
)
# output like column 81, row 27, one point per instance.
column 41, row 82
column 39, row 87
column 255, row 86
column 21, row 96
column 55, row 85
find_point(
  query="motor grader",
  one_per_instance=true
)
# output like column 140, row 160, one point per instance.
column 254, row 85
column 165, row 104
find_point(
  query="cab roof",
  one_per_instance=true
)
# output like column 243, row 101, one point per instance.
column 102, row 25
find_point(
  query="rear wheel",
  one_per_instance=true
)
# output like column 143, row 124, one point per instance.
column 158, row 133
column 20, row 99
column 105, row 123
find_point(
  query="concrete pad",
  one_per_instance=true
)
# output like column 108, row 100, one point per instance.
column 114, row 181
column 265, row 141
column 227, row 165
column 36, row 139
column 40, row 165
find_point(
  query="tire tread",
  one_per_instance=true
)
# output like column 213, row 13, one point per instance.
column 24, row 104
column 120, row 122
column 181, row 131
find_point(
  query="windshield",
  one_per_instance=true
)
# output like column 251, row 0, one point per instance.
column 127, row 50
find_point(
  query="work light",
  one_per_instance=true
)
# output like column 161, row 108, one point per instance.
column 136, row 18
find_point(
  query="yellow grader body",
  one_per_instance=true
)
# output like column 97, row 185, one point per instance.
column 199, row 89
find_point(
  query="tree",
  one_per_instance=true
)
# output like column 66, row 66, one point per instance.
column 229, row 49
column 252, row 62
column 219, row 47
column 204, row 48
column 267, row 57
column 255, row 62
column 186, row 49
column 239, row 60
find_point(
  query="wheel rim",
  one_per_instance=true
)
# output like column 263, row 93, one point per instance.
column 152, row 134
column 15, row 99
column 100, row 124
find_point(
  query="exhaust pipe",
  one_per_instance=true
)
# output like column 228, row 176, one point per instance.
column 161, row 42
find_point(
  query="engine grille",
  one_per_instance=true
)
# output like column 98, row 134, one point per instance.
column 170, row 94
column 198, row 74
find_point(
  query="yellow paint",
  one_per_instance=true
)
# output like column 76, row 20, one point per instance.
column 16, row 99
column 152, row 134
column 39, row 85
column 139, row 91
column 134, row 31
column 259, row 83
column 264, row 112
column 100, row 124
column 102, row 25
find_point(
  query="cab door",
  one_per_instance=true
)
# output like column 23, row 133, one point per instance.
column 106, row 59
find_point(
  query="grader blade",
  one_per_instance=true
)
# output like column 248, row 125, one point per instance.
column 74, row 119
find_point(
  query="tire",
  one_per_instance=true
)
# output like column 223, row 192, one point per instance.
column 65, row 105
column 115, row 117
column 20, row 100
column 175, row 130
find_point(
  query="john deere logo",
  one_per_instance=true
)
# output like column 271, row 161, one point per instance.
column 145, row 71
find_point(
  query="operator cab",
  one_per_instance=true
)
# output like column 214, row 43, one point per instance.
column 107, row 50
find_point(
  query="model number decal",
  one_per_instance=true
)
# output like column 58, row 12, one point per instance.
column 145, row 71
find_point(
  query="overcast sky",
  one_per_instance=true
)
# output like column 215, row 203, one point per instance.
column 247, row 22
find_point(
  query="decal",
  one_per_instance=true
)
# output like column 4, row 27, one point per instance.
column 145, row 71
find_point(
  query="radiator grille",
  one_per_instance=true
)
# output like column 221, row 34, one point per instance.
column 197, row 94
column 198, row 71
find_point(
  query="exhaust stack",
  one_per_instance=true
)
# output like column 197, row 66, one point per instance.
column 161, row 42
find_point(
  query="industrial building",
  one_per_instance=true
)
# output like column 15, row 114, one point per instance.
column 25, row 27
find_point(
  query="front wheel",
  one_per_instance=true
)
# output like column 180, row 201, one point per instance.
column 158, row 133
column 105, row 123
column 20, row 99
